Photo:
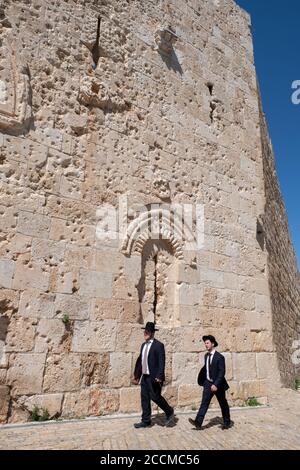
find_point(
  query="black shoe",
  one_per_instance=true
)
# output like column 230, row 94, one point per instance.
column 142, row 425
column 227, row 425
column 169, row 419
column 195, row 423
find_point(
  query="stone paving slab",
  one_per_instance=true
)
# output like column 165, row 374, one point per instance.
column 274, row 427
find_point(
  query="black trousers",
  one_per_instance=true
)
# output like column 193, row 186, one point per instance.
column 151, row 390
column 206, row 399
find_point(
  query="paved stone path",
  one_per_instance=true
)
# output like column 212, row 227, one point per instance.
column 273, row 427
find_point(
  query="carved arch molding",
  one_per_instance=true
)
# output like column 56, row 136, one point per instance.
column 159, row 224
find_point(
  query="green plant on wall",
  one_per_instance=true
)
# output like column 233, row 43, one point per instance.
column 66, row 319
column 297, row 384
column 252, row 401
column 39, row 414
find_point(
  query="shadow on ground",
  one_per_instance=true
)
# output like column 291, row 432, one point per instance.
column 160, row 420
column 217, row 421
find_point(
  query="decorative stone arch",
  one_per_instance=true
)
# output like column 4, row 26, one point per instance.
column 152, row 236
column 167, row 228
column 176, row 245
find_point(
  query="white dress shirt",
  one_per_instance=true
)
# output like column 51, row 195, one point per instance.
column 207, row 364
column 143, row 352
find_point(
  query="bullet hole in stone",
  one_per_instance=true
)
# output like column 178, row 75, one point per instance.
column 210, row 88
column 95, row 88
column 260, row 234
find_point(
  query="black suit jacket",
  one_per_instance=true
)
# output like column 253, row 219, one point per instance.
column 217, row 374
column 156, row 362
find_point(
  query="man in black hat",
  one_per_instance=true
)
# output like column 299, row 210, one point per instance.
column 150, row 368
column 212, row 379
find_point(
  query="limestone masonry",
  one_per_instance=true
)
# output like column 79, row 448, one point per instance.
column 149, row 108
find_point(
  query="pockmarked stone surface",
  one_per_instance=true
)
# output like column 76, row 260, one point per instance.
column 260, row 428
column 138, row 184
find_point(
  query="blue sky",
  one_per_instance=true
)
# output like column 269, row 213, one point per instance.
column 276, row 32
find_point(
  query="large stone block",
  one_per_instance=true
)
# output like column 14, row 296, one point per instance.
column 261, row 341
column 48, row 251
column 119, row 370
column 124, row 289
column 107, row 261
column 7, row 269
column 267, row 367
column 133, row 268
column 29, row 274
column 103, row 401
column 25, row 374
column 172, row 338
column 130, row 400
column 36, row 225
column 244, row 366
column 21, row 335
column 36, row 304
column 191, row 338
column 63, row 280
column 189, row 395
column 79, row 256
column 8, row 218
column 52, row 335
column 212, row 277
column 263, row 303
column 51, row 402
column 185, row 368
column 129, row 338
column 76, row 307
column 253, row 389
column 120, row 310
column 105, row 309
column 19, row 244
column 72, row 231
column 258, row 321
column 94, row 336
column 76, row 404
column 189, row 315
column 62, row 373
column 95, row 284
column 95, row 369
column 189, row 294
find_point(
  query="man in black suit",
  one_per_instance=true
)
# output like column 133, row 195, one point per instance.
column 212, row 379
column 150, row 368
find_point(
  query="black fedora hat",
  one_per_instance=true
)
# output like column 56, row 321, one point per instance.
column 211, row 338
column 150, row 326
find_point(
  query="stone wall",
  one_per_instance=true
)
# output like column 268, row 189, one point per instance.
column 116, row 104
column 283, row 271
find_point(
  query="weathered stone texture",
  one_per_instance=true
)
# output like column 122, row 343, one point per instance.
column 164, row 111
column 284, row 278
column 25, row 374
column 62, row 373
column 4, row 402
